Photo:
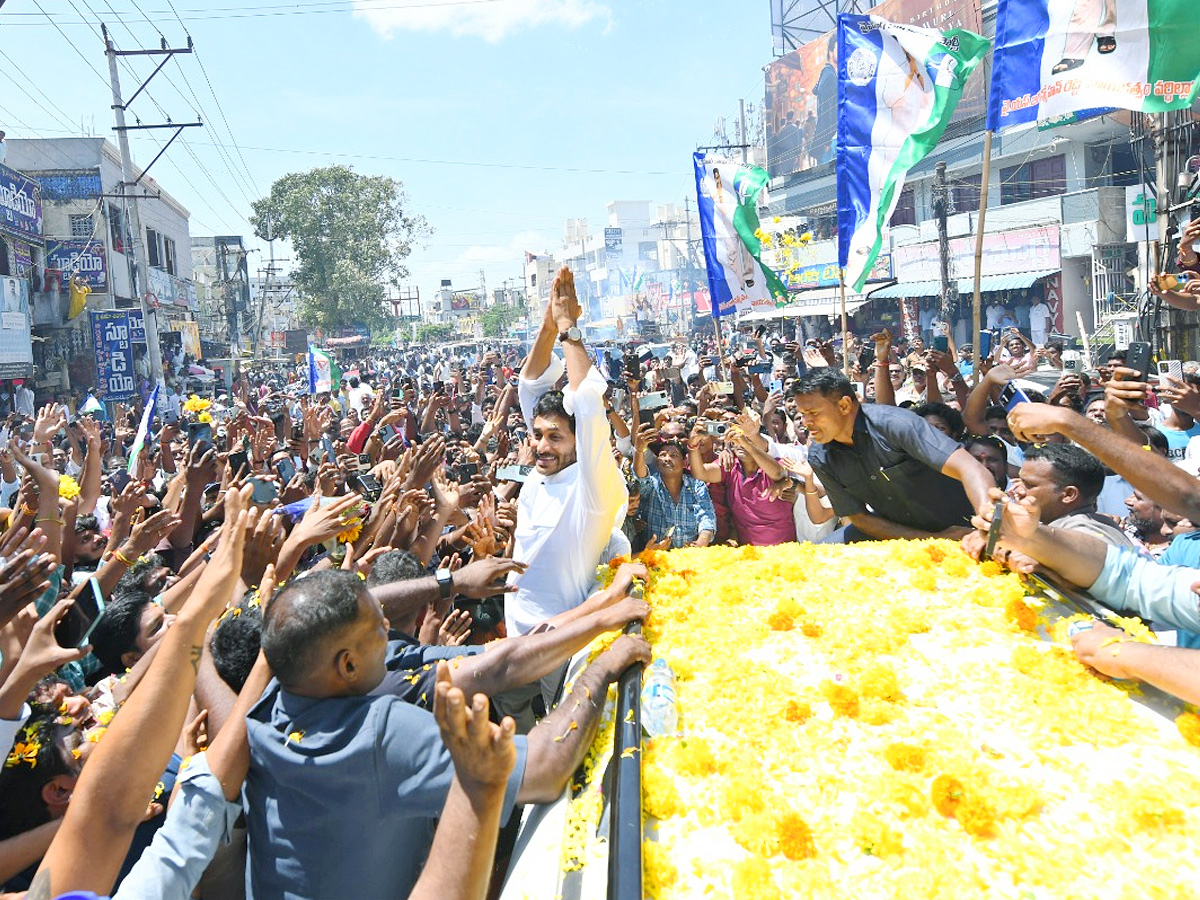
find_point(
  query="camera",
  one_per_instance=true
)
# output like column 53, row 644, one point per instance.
column 716, row 429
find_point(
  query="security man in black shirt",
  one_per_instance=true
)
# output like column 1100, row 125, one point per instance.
column 885, row 469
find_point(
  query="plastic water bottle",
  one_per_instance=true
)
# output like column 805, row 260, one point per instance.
column 660, row 714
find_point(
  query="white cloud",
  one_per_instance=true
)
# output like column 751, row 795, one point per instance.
column 492, row 20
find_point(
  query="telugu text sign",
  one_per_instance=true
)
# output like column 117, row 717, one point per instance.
column 114, row 354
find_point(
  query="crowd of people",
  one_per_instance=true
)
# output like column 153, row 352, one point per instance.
column 275, row 642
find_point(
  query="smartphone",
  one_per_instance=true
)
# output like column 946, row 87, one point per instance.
column 76, row 627
column 199, row 431
column 777, row 383
column 1172, row 368
column 239, row 460
column 366, row 485
column 760, row 369
column 1176, row 281
column 264, row 491
column 941, row 343
column 286, row 470
column 387, row 432
column 518, row 474
column 1012, row 396
column 985, row 344
column 439, row 387
column 398, row 393
column 723, row 388
column 467, row 471
column 1137, row 357
column 633, row 368
column 866, row 357
column 994, row 529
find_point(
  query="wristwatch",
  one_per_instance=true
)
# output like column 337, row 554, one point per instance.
column 571, row 334
column 445, row 580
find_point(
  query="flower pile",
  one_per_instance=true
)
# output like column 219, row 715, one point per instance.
column 878, row 721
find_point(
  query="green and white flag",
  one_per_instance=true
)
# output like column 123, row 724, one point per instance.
column 324, row 376
column 898, row 86
column 1072, row 56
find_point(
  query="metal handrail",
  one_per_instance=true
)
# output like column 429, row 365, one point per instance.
column 625, row 808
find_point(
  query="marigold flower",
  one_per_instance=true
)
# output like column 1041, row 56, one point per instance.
column 795, row 837
column 658, row 871
column 752, row 879
column 1020, row 614
column 841, row 698
column 905, row 757
column 947, row 793
column 68, row 487
column 1189, row 726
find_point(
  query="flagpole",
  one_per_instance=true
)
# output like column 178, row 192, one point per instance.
column 845, row 328
column 977, row 306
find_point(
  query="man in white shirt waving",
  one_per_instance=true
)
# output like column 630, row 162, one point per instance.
column 568, row 508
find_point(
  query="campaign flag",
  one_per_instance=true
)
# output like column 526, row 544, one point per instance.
column 898, row 86
column 143, row 431
column 727, row 196
column 323, row 373
column 1054, row 59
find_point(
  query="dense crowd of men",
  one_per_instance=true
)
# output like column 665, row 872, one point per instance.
column 271, row 642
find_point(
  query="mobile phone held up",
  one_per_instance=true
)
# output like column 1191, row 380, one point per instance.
column 941, row 343
column 198, row 432
column 1012, row 396
column 264, row 491
column 75, row 628
column 1137, row 357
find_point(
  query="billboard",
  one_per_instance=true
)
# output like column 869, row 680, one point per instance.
column 801, row 99
column 20, row 205
column 16, row 343
column 87, row 258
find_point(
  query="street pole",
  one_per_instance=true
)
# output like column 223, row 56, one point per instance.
column 685, row 311
column 742, row 130
column 941, row 208
column 149, row 315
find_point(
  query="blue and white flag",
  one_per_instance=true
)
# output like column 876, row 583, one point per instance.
column 323, row 373
column 1056, row 59
column 727, row 197
column 898, row 86
column 143, row 432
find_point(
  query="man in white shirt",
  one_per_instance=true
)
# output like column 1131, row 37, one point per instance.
column 995, row 312
column 1039, row 323
column 360, row 396
column 24, row 399
column 572, row 502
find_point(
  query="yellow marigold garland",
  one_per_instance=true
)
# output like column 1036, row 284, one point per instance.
column 855, row 717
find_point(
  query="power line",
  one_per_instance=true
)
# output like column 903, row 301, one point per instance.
column 296, row 9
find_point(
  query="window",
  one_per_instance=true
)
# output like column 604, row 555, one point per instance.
column 81, row 226
column 1038, row 178
column 154, row 248
column 118, row 234
column 169, row 256
column 964, row 194
column 906, row 209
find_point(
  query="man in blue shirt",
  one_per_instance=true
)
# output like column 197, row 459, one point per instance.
column 344, row 787
column 673, row 502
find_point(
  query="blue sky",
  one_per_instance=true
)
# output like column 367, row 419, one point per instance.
column 501, row 117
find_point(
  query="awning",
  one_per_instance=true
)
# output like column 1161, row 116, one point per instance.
column 816, row 302
column 965, row 285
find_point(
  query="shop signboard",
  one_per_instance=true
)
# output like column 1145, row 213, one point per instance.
column 169, row 289
column 88, row 259
column 1053, row 288
column 189, row 334
column 612, row 243
column 114, row 354
column 1004, row 253
column 20, row 205
column 137, row 326
column 1141, row 214
column 16, row 344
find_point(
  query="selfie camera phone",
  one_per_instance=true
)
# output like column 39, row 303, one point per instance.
column 985, row 344
column 518, row 474
column 286, row 470
column 941, row 343
column 75, row 628
column 238, row 461
column 368, row 486
column 1012, row 396
column 264, row 491
column 1172, row 368
column 199, row 431
column 1137, row 357
column 994, row 529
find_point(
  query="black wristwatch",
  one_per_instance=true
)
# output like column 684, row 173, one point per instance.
column 445, row 580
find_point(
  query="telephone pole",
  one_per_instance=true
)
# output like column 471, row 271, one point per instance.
column 129, row 201
column 941, row 204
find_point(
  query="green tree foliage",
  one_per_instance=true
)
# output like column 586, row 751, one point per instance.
column 435, row 332
column 498, row 318
column 350, row 234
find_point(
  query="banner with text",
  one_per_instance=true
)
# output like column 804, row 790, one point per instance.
column 1054, row 59
column 114, row 354
column 16, row 344
column 74, row 255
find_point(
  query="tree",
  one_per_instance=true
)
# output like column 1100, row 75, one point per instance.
column 351, row 235
column 434, row 332
column 497, row 319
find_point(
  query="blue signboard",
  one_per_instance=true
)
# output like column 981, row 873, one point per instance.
column 137, row 326
column 85, row 258
column 20, row 205
column 114, row 354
